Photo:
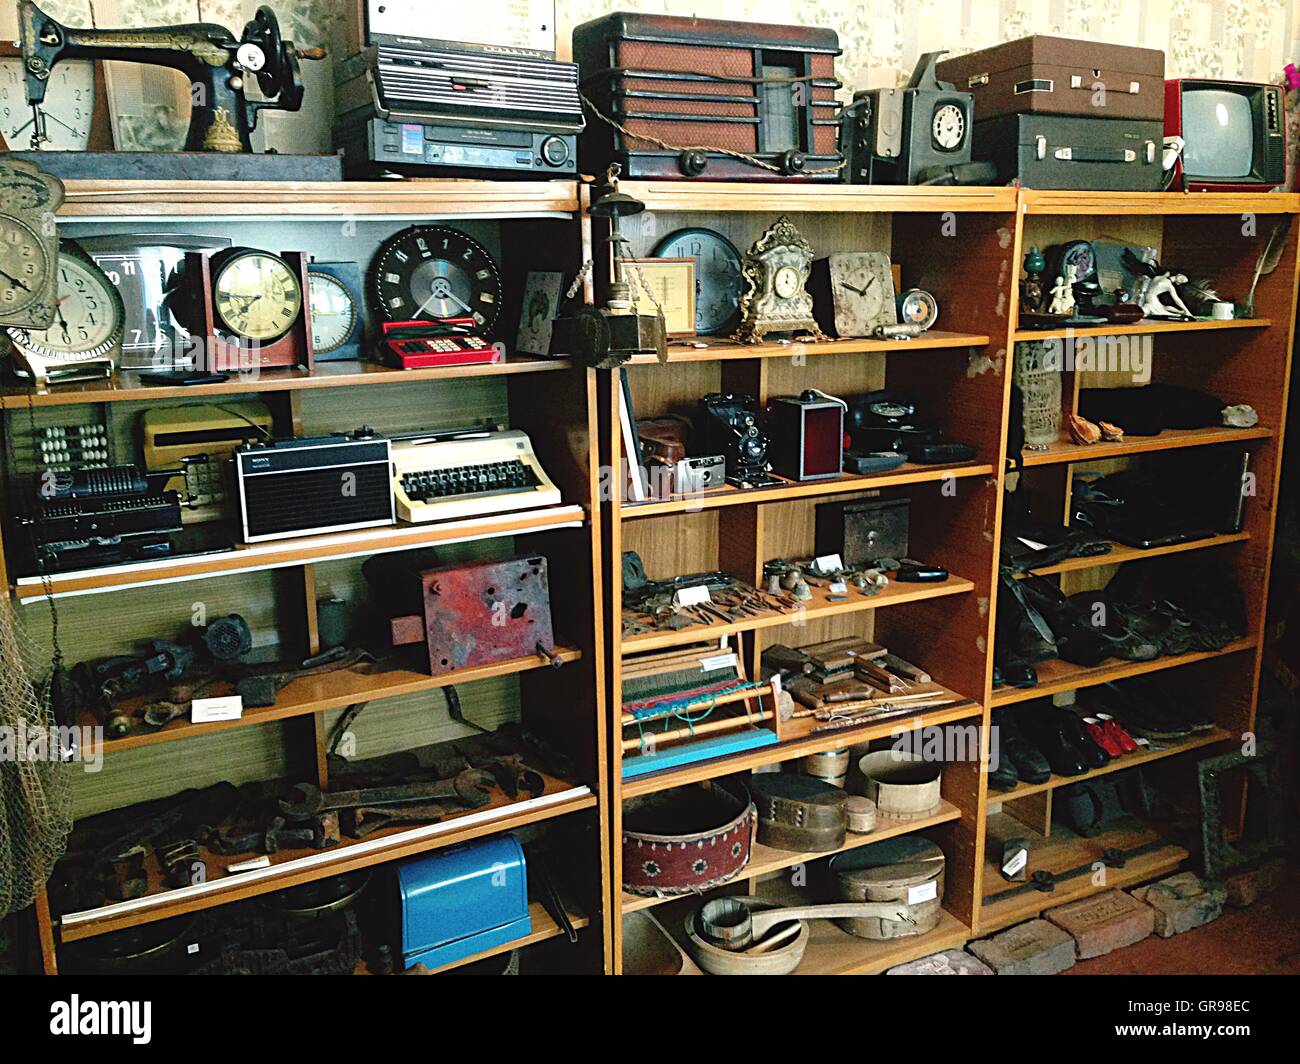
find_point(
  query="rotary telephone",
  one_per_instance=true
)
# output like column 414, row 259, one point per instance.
column 890, row 421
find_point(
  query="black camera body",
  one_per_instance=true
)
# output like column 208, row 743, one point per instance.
column 728, row 425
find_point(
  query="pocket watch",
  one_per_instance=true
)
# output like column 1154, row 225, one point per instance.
column 255, row 295
column 334, row 293
column 86, row 334
column 433, row 271
column 717, row 276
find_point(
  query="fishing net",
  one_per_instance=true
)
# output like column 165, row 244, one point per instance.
column 35, row 791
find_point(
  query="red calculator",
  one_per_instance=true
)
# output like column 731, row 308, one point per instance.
column 436, row 342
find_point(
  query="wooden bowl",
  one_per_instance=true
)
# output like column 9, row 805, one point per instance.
column 717, row 961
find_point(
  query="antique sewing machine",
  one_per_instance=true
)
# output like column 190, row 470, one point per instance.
column 216, row 62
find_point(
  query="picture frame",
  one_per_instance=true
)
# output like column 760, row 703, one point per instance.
column 672, row 283
column 543, row 291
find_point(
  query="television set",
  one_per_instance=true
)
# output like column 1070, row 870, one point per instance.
column 1234, row 134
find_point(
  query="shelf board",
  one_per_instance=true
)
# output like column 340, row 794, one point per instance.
column 908, row 473
column 718, row 349
column 335, row 200
column 297, row 866
column 1170, row 439
column 893, row 594
column 1035, row 201
column 1064, row 851
column 1119, row 554
column 764, row 859
column 799, row 197
column 302, row 551
column 1140, row 328
column 1056, row 675
column 317, row 694
column 127, row 386
column 1119, row 764
column 794, row 748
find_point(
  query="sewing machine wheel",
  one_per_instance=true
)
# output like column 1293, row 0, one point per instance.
column 280, row 76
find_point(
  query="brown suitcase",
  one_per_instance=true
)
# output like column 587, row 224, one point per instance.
column 1062, row 76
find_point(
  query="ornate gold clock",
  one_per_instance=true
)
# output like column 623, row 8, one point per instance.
column 776, row 297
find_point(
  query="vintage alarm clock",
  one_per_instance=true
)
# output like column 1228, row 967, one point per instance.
column 915, row 133
column 433, row 272
column 717, row 276
column 918, row 308
column 249, row 306
column 334, row 291
column 776, row 271
column 29, row 244
column 853, row 292
column 85, row 337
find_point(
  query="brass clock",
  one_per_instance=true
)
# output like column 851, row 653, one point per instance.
column 776, row 297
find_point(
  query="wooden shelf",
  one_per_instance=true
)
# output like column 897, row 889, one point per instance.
column 717, row 349
column 795, row 748
column 1063, row 851
column 765, row 859
column 1141, row 328
column 1118, row 764
column 291, row 868
column 908, row 473
column 1034, row 201
column 339, row 201
column 1168, row 440
column 894, row 594
column 318, row 694
column 127, row 386
column 303, row 551
column 1119, row 554
column 718, row 196
column 1055, row 676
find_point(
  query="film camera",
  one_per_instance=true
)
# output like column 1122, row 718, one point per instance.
column 729, row 426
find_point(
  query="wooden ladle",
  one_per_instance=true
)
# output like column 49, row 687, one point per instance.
column 732, row 925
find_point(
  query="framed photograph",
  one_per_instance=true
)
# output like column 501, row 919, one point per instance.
column 542, row 291
column 672, row 283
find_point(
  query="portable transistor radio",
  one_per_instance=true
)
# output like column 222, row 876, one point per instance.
column 441, row 342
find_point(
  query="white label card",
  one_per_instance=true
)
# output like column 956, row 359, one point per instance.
column 1018, row 861
column 922, row 892
column 691, row 596
column 207, row 710
column 829, row 563
column 718, row 661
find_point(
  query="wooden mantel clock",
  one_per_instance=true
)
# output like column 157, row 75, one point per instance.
column 776, row 299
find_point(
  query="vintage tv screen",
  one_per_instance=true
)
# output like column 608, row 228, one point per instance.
column 1220, row 133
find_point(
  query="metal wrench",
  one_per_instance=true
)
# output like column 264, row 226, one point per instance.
column 471, row 788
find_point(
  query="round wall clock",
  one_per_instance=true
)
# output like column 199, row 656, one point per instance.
column 69, row 106
column 88, row 317
column 255, row 295
column 718, row 282
column 25, row 265
column 335, row 298
column 432, row 271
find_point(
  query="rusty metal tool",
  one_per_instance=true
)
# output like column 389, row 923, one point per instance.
column 470, row 788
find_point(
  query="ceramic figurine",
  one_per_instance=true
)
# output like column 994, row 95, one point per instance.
column 1162, row 299
column 1063, row 293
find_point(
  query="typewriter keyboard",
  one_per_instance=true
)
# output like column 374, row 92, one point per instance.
column 491, row 478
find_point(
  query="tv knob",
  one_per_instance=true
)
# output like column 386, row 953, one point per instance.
column 692, row 163
column 793, row 162
column 554, row 151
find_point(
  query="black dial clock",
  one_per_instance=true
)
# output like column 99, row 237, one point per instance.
column 432, row 271
column 717, row 276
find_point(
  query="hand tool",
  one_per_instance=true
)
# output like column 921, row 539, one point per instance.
column 469, row 787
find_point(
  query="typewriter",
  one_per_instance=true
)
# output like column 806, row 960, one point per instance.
column 90, row 517
column 467, row 472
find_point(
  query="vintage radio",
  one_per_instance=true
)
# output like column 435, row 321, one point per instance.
column 863, row 531
column 102, row 517
column 198, row 441
column 683, row 93
column 464, row 615
column 807, row 433
column 464, row 900
column 304, row 487
column 1063, row 152
column 1062, row 76
column 1233, row 133
column 480, row 94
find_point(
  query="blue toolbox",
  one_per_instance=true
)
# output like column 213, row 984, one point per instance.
column 462, row 901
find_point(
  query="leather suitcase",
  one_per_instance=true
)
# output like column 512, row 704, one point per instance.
column 1061, row 76
column 799, row 813
column 1062, row 152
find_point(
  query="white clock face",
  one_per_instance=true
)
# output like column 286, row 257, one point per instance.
column 949, row 127
column 786, row 282
column 862, row 283
column 257, row 296
column 87, row 319
column 69, row 105
column 333, row 312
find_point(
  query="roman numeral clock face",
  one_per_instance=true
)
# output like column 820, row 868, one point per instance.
column 256, row 296
column 431, row 271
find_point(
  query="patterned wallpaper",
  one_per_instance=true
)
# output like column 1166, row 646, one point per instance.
column 1248, row 39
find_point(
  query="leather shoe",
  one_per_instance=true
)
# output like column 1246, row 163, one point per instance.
column 1030, row 765
column 1093, row 753
column 1048, row 732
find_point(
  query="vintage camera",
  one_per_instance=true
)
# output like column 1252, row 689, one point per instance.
column 729, row 426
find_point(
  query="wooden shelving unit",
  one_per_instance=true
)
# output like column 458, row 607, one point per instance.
column 564, row 705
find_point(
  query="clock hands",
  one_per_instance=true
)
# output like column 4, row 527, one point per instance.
column 859, row 291
column 14, row 281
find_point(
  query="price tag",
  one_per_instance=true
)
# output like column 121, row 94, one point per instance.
column 839, row 587
column 1017, row 861
column 691, row 596
column 718, row 661
column 829, row 563
column 207, row 710
column 922, row 892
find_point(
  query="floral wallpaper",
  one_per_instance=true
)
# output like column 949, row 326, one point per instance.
column 1248, row 39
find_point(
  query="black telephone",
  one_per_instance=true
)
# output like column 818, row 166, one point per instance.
column 889, row 421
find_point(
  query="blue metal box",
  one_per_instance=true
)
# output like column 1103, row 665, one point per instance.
column 463, row 900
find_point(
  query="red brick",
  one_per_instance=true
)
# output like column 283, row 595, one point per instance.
column 1105, row 922
column 1246, row 888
